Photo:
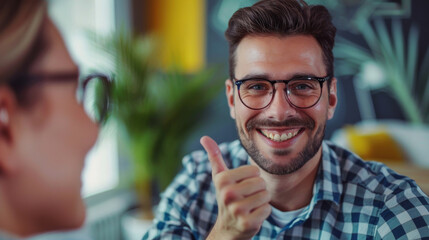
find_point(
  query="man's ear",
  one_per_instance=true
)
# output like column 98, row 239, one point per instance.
column 8, row 107
column 229, row 88
column 332, row 98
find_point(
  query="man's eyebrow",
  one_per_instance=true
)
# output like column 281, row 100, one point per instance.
column 256, row 76
column 303, row 74
column 267, row 77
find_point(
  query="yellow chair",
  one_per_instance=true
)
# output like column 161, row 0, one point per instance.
column 375, row 144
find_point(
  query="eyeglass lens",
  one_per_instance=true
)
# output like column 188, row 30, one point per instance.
column 258, row 94
column 96, row 98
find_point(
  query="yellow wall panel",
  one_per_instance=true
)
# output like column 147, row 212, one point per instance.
column 180, row 27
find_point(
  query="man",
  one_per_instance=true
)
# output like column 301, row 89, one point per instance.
column 281, row 180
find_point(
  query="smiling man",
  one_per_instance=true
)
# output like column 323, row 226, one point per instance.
column 281, row 180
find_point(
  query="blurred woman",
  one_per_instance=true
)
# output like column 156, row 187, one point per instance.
column 44, row 131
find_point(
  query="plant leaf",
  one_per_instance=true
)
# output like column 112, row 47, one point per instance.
column 413, row 37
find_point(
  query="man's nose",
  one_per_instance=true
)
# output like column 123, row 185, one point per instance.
column 280, row 109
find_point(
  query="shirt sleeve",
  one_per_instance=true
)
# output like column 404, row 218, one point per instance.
column 405, row 215
column 173, row 218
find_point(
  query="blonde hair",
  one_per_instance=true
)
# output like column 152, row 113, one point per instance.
column 20, row 26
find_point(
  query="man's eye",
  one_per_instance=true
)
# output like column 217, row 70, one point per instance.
column 303, row 85
column 257, row 86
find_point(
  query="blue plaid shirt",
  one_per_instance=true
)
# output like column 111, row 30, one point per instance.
column 352, row 199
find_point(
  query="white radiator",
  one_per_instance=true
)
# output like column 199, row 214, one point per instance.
column 103, row 222
column 104, row 217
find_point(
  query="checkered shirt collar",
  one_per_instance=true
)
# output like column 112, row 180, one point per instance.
column 328, row 184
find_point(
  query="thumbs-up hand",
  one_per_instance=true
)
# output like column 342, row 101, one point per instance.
column 241, row 194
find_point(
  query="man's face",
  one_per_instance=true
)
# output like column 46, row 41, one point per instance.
column 281, row 58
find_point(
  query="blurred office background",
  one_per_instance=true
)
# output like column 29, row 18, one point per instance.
column 382, row 70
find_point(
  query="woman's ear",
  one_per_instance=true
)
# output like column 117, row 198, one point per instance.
column 229, row 88
column 8, row 105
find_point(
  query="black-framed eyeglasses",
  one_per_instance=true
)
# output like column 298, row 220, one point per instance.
column 96, row 96
column 93, row 91
column 301, row 91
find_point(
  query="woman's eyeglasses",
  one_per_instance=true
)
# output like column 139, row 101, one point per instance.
column 96, row 96
column 93, row 91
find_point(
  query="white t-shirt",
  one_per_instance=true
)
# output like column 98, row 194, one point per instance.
column 283, row 218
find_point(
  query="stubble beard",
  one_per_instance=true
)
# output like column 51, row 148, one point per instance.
column 294, row 164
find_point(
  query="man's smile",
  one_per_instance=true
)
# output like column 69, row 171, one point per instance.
column 280, row 135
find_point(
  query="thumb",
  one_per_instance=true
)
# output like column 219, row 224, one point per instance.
column 214, row 154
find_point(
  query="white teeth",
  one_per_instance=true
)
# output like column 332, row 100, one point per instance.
column 276, row 137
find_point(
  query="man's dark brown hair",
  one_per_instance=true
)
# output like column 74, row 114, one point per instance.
column 283, row 18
